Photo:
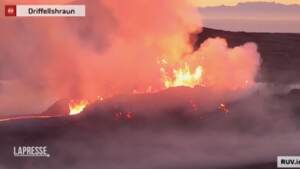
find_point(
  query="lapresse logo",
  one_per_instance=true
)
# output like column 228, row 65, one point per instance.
column 288, row 161
column 44, row 10
column 30, row 151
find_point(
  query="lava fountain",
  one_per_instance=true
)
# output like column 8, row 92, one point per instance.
column 183, row 76
column 77, row 107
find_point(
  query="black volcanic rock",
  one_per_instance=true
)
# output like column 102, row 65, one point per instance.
column 279, row 52
column 295, row 93
column 171, row 134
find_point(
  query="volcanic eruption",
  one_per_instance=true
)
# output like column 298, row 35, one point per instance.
column 130, row 85
column 119, row 47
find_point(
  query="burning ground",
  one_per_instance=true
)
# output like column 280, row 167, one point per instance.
column 154, row 131
column 146, row 93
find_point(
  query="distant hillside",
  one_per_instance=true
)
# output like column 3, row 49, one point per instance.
column 280, row 52
column 253, row 17
column 253, row 10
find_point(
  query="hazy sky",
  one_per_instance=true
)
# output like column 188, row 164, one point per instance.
column 251, row 18
column 204, row 3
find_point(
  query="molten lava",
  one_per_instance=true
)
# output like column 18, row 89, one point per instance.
column 77, row 107
column 183, row 76
column 123, row 116
column 223, row 108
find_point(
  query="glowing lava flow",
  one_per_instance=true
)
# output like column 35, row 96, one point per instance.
column 183, row 77
column 77, row 107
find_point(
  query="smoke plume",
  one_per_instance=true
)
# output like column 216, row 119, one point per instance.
column 115, row 49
